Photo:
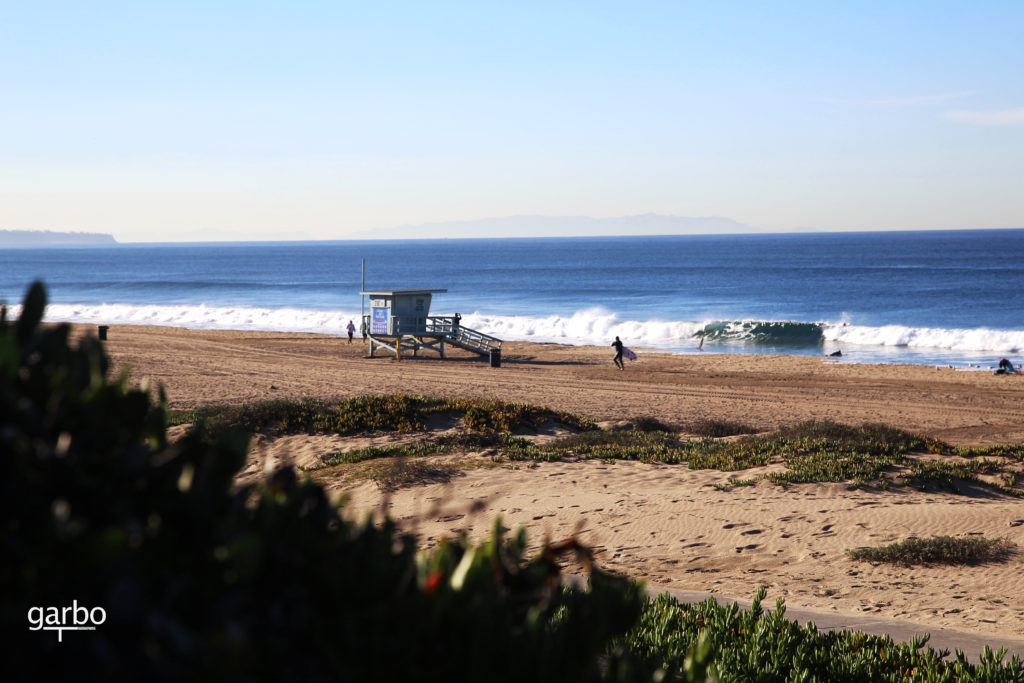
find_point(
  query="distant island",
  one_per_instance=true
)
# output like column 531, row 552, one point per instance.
column 563, row 226
column 49, row 237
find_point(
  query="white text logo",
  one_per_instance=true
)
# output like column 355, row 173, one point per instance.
column 60, row 619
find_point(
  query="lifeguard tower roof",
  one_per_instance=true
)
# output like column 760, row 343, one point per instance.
column 402, row 292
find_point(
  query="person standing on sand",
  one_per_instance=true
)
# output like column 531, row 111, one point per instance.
column 618, row 354
column 351, row 331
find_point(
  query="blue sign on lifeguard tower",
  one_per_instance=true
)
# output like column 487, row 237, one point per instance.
column 379, row 321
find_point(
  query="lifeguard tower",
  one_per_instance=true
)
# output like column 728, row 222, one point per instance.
column 400, row 321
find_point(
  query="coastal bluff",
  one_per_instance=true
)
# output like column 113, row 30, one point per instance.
column 50, row 237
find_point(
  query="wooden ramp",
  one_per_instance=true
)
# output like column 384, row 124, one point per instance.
column 471, row 340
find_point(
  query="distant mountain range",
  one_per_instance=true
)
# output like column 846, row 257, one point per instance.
column 49, row 237
column 562, row 226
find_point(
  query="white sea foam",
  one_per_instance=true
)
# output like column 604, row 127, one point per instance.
column 590, row 326
column 206, row 317
column 981, row 339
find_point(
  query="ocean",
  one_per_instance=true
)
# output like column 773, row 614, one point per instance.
column 925, row 297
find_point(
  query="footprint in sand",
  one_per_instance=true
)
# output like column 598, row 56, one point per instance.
column 450, row 518
column 750, row 546
column 748, row 532
column 733, row 525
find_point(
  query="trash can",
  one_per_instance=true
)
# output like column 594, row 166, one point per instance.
column 103, row 331
column 495, row 358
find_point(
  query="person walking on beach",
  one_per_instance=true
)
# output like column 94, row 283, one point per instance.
column 351, row 331
column 618, row 354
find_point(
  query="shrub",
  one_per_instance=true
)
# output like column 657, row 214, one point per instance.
column 652, row 424
column 716, row 429
column 938, row 550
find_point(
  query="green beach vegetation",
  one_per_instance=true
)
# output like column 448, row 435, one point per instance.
column 203, row 579
column 399, row 413
column 938, row 550
column 811, row 452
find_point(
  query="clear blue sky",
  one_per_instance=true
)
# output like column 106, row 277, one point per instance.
column 178, row 120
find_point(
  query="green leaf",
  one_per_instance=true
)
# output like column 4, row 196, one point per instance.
column 31, row 312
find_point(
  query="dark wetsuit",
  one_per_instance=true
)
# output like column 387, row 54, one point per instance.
column 618, row 353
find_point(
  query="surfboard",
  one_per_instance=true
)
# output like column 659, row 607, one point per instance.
column 628, row 353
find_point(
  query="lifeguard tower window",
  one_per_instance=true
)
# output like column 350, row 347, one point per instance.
column 419, row 305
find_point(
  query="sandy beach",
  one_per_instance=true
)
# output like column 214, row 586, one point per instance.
column 668, row 525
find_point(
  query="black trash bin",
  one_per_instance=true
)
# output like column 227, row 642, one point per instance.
column 103, row 331
column 495, row 358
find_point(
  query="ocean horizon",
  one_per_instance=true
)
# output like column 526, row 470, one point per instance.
column 925, row 297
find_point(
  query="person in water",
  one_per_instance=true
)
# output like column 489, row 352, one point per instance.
column 618, row 354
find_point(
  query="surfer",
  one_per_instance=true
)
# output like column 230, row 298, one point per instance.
column 351, row 331
column 618, row 354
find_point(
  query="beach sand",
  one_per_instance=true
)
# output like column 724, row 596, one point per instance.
column 667, row 525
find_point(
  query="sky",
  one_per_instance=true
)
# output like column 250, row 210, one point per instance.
column 316, row 120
